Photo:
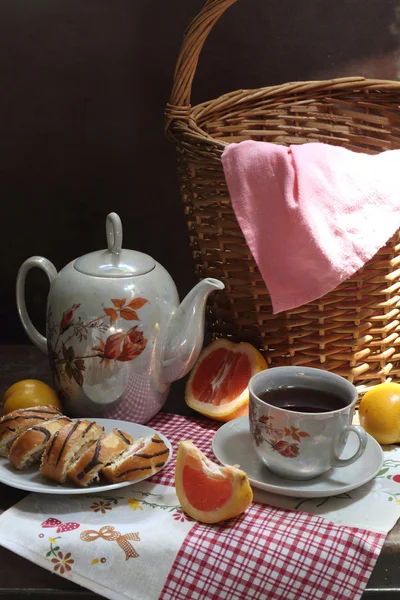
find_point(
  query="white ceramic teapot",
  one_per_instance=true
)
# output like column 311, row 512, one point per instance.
column 116, row 334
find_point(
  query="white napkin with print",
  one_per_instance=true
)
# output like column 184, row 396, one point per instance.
column 120, row 545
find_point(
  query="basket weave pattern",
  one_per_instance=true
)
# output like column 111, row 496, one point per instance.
column 352, row 331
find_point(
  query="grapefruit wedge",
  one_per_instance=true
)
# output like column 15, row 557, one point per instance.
column 207, row 492
column 217, row 386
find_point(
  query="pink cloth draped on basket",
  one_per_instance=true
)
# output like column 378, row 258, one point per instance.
column 312, row 214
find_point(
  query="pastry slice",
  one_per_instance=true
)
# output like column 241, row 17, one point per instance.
column 146, row 456
column 104, row 451
column 66, row 446
column 29, row 446
column 18, row 421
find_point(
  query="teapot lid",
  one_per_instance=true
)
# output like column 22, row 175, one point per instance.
column 115, row 261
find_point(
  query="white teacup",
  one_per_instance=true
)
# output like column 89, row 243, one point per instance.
column 302, row 445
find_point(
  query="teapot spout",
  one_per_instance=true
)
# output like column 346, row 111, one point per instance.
column 185, row 333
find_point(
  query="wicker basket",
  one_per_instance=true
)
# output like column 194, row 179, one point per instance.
column 352, row 331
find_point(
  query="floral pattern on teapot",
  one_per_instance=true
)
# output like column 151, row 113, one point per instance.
column 121, row 346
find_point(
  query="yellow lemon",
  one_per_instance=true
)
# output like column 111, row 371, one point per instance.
column 28, row 393
column 379, row 413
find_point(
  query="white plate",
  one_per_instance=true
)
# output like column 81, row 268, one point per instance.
column 31, row 480
column 232, row 444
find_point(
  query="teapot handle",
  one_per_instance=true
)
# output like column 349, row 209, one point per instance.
column 35, row 261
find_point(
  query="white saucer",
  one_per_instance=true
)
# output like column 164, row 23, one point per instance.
column 232, row 444
column 31, row 480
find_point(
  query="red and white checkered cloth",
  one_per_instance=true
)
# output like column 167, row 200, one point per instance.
column 267, row 553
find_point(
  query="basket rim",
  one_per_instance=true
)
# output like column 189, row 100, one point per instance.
column 341, row 85
column 187, row 121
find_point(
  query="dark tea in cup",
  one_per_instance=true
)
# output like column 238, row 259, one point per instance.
column 303, row 399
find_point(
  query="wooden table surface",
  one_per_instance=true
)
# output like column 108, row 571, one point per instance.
column 21, row 578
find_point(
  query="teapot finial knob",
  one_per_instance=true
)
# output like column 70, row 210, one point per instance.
column 114, row 233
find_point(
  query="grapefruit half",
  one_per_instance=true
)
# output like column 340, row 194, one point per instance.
column 218, row 384
column 207, row 492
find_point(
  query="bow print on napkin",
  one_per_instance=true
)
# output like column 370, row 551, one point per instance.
column 109, row 534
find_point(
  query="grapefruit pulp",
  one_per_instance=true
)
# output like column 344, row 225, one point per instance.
column 207, row 492
column 217, row 386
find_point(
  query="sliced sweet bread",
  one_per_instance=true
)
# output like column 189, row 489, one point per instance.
column 16, row 422
column 66, row 446
column 29, row 446
column 86, row 469
column 146, row 456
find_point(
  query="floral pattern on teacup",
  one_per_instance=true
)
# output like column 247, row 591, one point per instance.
column 284, row 440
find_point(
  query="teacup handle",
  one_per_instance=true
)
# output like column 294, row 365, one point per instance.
column 362, row 437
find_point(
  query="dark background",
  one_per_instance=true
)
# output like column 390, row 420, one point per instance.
column 83, row 88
